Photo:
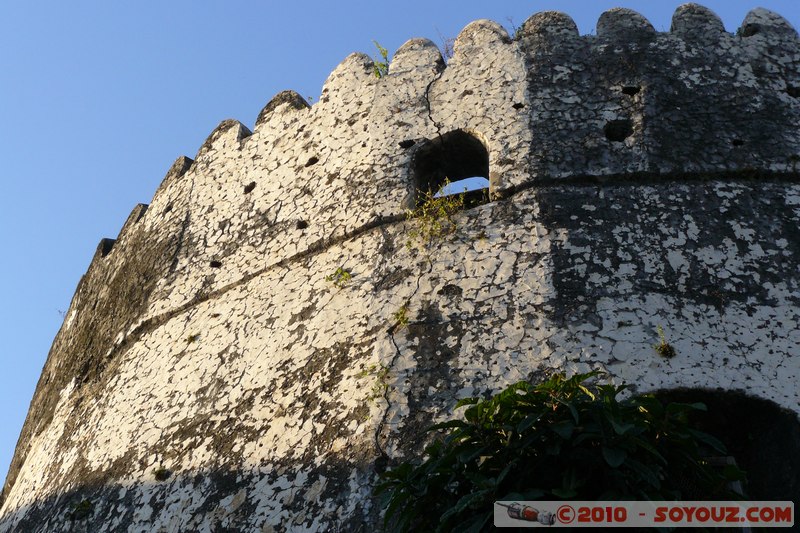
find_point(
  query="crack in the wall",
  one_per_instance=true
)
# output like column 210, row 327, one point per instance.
column 392, row 331
column 427, row 97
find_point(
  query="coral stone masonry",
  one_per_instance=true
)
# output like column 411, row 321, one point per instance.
column 261, row 340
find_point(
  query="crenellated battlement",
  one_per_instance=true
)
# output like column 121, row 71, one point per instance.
column 638, row 180
column 547, row 104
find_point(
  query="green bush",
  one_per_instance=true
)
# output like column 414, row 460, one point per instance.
column 558, row 440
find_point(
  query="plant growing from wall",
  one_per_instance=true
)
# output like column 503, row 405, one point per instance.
column 433, row 217
column 80, row 510
column 447, row 47
column 381, row 383
column 560, row 439
column 512, row 27
column 401, row 316
column 340, row 278
column 663, row 348
column 161, row 474
column 381, row 66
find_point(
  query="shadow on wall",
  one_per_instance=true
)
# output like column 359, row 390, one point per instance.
column 615, row 240
column 763, row 438
column 210, row 500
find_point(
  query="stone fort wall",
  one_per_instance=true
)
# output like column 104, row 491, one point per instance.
column 637, row 180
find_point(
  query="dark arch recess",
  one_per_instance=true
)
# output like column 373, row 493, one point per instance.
column 762, row 437
column 453, row 156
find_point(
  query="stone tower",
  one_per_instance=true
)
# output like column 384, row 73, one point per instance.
column 260, row 339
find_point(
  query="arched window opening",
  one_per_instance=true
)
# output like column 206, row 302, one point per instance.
column 454, row 163
column 762, row 438
column 467, row 185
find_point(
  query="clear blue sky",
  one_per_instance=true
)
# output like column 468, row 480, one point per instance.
column 98, row 98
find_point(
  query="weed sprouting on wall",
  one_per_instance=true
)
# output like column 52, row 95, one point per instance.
column 339, row 278
column 401, row 316
column 663, row 348
column 433, row 218
column 381, row 65
column 80, row 510
column 381, row 380
column 161, row 474
column 447, row 47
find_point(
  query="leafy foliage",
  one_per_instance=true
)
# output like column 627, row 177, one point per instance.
column 561, row 439
column 381, row 66
column 401, row 316
column 340, row 278
column 381, row 383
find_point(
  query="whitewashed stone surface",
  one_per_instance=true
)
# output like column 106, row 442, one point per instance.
column 207, row 341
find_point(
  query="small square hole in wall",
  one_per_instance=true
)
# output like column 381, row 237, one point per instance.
column 618, row 130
